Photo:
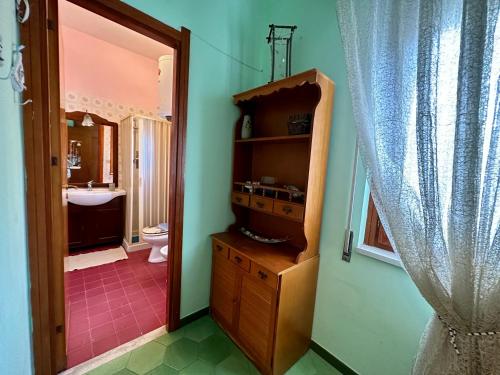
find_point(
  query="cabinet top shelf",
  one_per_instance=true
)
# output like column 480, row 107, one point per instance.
column 312, row 76
column 279, row 139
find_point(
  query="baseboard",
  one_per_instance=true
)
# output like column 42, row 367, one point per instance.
column 194, row 316
column 331, row 359
column 130, row 248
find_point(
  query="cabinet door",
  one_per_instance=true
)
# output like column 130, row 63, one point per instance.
column 76, row 226
column 257, row 318
column 108, row 224
column 224, row 291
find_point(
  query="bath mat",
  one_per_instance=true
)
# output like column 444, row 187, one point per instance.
column 96, row 258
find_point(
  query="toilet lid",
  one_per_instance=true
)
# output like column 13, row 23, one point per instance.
column 160, row 229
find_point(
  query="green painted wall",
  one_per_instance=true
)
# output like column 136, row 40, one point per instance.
column 15, row 330
column 368, row 313
column 213, row 78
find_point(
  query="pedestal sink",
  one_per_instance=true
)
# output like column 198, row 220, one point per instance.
column 94, row 197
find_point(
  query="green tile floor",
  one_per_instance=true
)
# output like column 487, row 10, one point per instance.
column 200, row 348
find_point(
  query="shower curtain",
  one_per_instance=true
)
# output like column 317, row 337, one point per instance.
column 154, row 145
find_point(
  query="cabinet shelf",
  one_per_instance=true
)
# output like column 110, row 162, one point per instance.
column 279, row 139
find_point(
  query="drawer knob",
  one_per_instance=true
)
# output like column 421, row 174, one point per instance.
column 259, row 204
column 287, row 209
column 219, row 247
column 238, row 199
column 262, row 275
column 238, row 259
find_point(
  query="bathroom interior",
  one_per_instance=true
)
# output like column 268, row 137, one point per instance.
column 116, row 100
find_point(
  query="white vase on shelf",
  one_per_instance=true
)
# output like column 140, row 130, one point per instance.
column 246, row 127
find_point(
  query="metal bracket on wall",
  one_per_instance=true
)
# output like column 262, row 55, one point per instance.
column 347, row 249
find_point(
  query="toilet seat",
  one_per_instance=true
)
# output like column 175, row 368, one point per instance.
column 158, row 230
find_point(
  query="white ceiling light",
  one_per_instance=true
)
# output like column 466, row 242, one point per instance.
column 87, row 120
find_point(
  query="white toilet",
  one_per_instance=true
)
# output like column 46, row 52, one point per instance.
column 157, row 237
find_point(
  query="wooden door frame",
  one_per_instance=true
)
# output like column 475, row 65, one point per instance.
column 43, row 172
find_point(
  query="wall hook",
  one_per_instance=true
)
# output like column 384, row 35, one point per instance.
column 24, row 103
column 23, row 15
column 17, row 72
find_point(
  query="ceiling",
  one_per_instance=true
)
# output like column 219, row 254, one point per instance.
column 80, row 19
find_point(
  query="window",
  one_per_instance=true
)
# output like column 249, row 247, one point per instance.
column 374, row 232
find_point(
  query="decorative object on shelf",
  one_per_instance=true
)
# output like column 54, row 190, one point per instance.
column 247, row 187
column 280, row 40
column 299, row 124
column 268, row 180
column 296, row 192
column 246, row 127
column 23, row 13
column 87, row 120
column 256, row 237
column 290, row 193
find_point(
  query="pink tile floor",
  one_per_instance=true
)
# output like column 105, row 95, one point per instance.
column 112, row 304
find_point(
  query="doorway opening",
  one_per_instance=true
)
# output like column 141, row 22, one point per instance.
column 116, row 102
column 105, row 142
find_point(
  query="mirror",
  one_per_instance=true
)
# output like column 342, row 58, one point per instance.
column 92, row 150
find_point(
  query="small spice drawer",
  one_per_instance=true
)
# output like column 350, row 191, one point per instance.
column 292, row 210
column 239, row 259
column 220, row 249
column 261, row 203
column 242, row 199
column 265, row 275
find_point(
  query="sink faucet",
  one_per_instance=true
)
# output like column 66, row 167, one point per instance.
column 89, row 185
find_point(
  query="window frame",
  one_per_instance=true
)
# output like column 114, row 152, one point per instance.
column 374, row 230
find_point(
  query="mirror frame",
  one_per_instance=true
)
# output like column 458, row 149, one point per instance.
column 77, row 117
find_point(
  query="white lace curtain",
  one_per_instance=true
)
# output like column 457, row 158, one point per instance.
column 425, row 86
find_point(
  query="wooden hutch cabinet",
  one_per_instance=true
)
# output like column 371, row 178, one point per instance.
column 263, row 294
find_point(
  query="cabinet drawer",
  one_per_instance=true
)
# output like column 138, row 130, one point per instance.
column 242, row 199
column 265, row 275
column 220, row 249
column 239, row 259
column 261, row 203
column 291, row 210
